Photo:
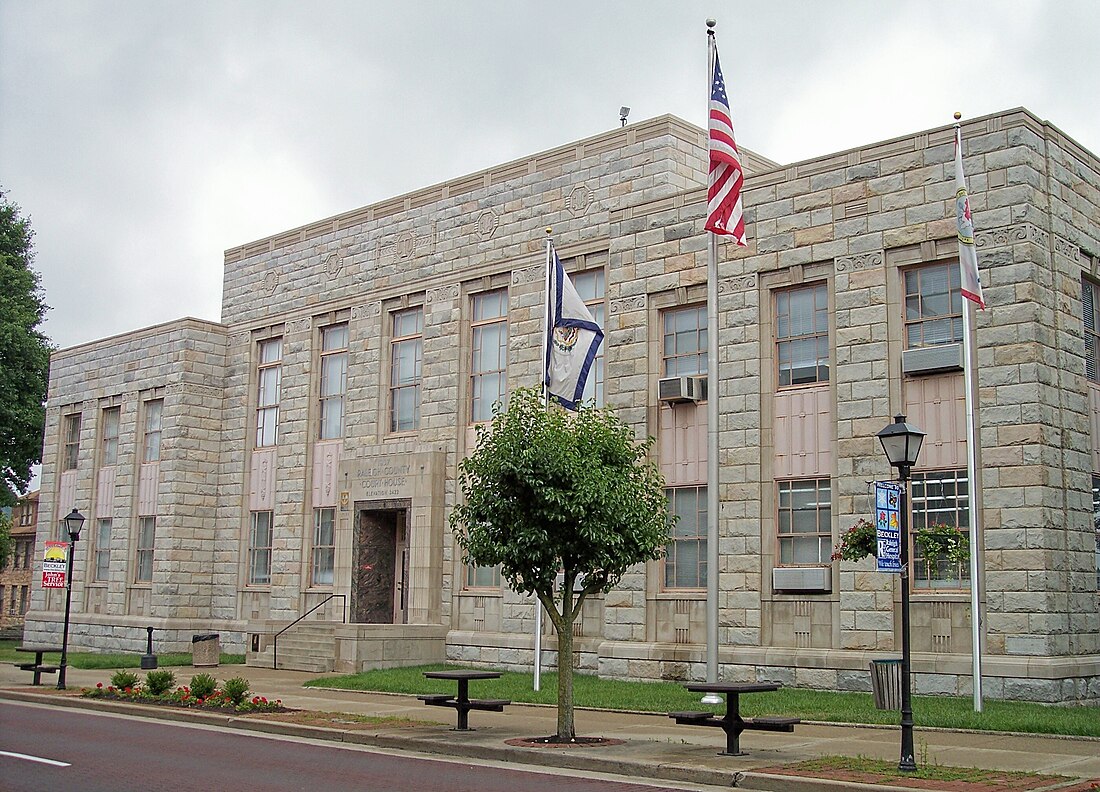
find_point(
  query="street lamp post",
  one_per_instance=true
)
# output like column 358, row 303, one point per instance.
column 902, row 442
column 74, row 521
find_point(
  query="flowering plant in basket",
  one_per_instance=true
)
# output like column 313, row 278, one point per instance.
column 857, row 543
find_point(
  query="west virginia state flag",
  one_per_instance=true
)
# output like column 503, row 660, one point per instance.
column 572, row 338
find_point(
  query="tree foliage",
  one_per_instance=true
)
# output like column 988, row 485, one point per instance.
column 547, row 491
column 24, row 354
column 5, row 539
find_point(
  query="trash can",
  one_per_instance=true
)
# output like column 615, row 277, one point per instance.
column 886, row 684
column 206, row 650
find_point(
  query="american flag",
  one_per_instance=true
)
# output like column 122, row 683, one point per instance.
column 724, row 215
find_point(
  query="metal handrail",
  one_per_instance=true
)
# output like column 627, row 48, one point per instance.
column 325, row 601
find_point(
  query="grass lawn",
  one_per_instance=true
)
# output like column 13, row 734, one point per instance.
column 92, row 660
column 810, row 705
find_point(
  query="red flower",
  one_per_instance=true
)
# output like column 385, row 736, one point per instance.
column 99, row 685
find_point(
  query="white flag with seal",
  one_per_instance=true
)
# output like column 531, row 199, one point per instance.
column 968, row 253
column 572, row 338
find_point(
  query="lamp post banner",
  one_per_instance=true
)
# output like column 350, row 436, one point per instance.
column 888, row 526
column 53, row 564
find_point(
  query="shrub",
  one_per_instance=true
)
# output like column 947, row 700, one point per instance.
column 124, row 679
column 203, row 685
column 160, row 682
column 235, row 689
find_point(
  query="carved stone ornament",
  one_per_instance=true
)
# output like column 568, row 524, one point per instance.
column 303, row 325
column 448, row 293
column 366, row 311
column 1010, row 235
column 528, row 275
column 487, row 225
column 579, row 200
column 1066, row 248
column 736, row 285
column 408, row 244
column 333, row 264
column 271, row 282
column 636, row 303
column 860, row 261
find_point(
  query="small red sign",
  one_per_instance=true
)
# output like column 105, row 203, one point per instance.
column 54, row 564
column 53, row 579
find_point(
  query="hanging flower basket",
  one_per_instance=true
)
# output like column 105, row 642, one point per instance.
column 934, row 542
column 946, row 542
column 857, row 543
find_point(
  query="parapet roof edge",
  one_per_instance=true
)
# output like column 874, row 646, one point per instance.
column 652, row 127
column 182, row 321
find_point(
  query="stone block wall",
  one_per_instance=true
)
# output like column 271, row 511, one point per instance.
column 181, row 362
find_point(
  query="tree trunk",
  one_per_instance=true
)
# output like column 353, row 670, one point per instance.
column 566, row 729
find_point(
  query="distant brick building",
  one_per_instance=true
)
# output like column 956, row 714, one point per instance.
column 302, row 453
column 15, row 576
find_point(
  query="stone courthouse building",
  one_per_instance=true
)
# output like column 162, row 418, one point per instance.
column 298, row 459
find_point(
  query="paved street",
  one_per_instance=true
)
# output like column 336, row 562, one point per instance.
column 91, row 752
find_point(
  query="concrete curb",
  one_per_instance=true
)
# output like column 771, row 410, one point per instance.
column 634, row 759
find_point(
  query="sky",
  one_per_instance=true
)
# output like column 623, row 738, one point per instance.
column 143, row 138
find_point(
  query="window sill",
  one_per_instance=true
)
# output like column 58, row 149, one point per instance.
column 682, row 594
column 481, row 592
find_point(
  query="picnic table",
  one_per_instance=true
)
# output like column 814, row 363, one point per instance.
column 462, row 702
column 37, row 666
column 732, row 723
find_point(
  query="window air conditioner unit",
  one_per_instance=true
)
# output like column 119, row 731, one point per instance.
column 932, row 359
column 817, row 579
column 675, row 390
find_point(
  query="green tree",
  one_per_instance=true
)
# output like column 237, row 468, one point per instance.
column 24, row 354
column 547, row 491
column 5, row 539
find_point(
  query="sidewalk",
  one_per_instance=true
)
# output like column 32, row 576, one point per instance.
column 653, row 746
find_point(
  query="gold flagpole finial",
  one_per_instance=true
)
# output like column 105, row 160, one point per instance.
column 958, row 115
column 549, row 230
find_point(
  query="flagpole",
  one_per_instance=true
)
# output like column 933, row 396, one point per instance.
column 712, row 423
column 546, row 306
column 972, row 489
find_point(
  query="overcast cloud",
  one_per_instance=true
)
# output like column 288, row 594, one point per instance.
column 143, row 138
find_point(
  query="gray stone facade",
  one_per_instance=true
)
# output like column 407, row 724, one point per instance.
column 631, row 203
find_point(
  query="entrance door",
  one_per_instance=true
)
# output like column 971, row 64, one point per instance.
column 379, row 596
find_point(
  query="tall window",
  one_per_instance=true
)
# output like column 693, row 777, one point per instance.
column 1090, row 304
column 939, row 497
column 805, row 521
column 590, row 287
column 406, row 350
column 334, row 381
column 324, row 546
column 102, row 550
column 802, row 335
column 686, row 554
column 933, row 305
column 685, row 341
column 1096, row 523
column 259, row 548
column 154, row 414
column 269, row 377
column 109, row 455
column 147, row 530
column 490, row 353
column 71, row 450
